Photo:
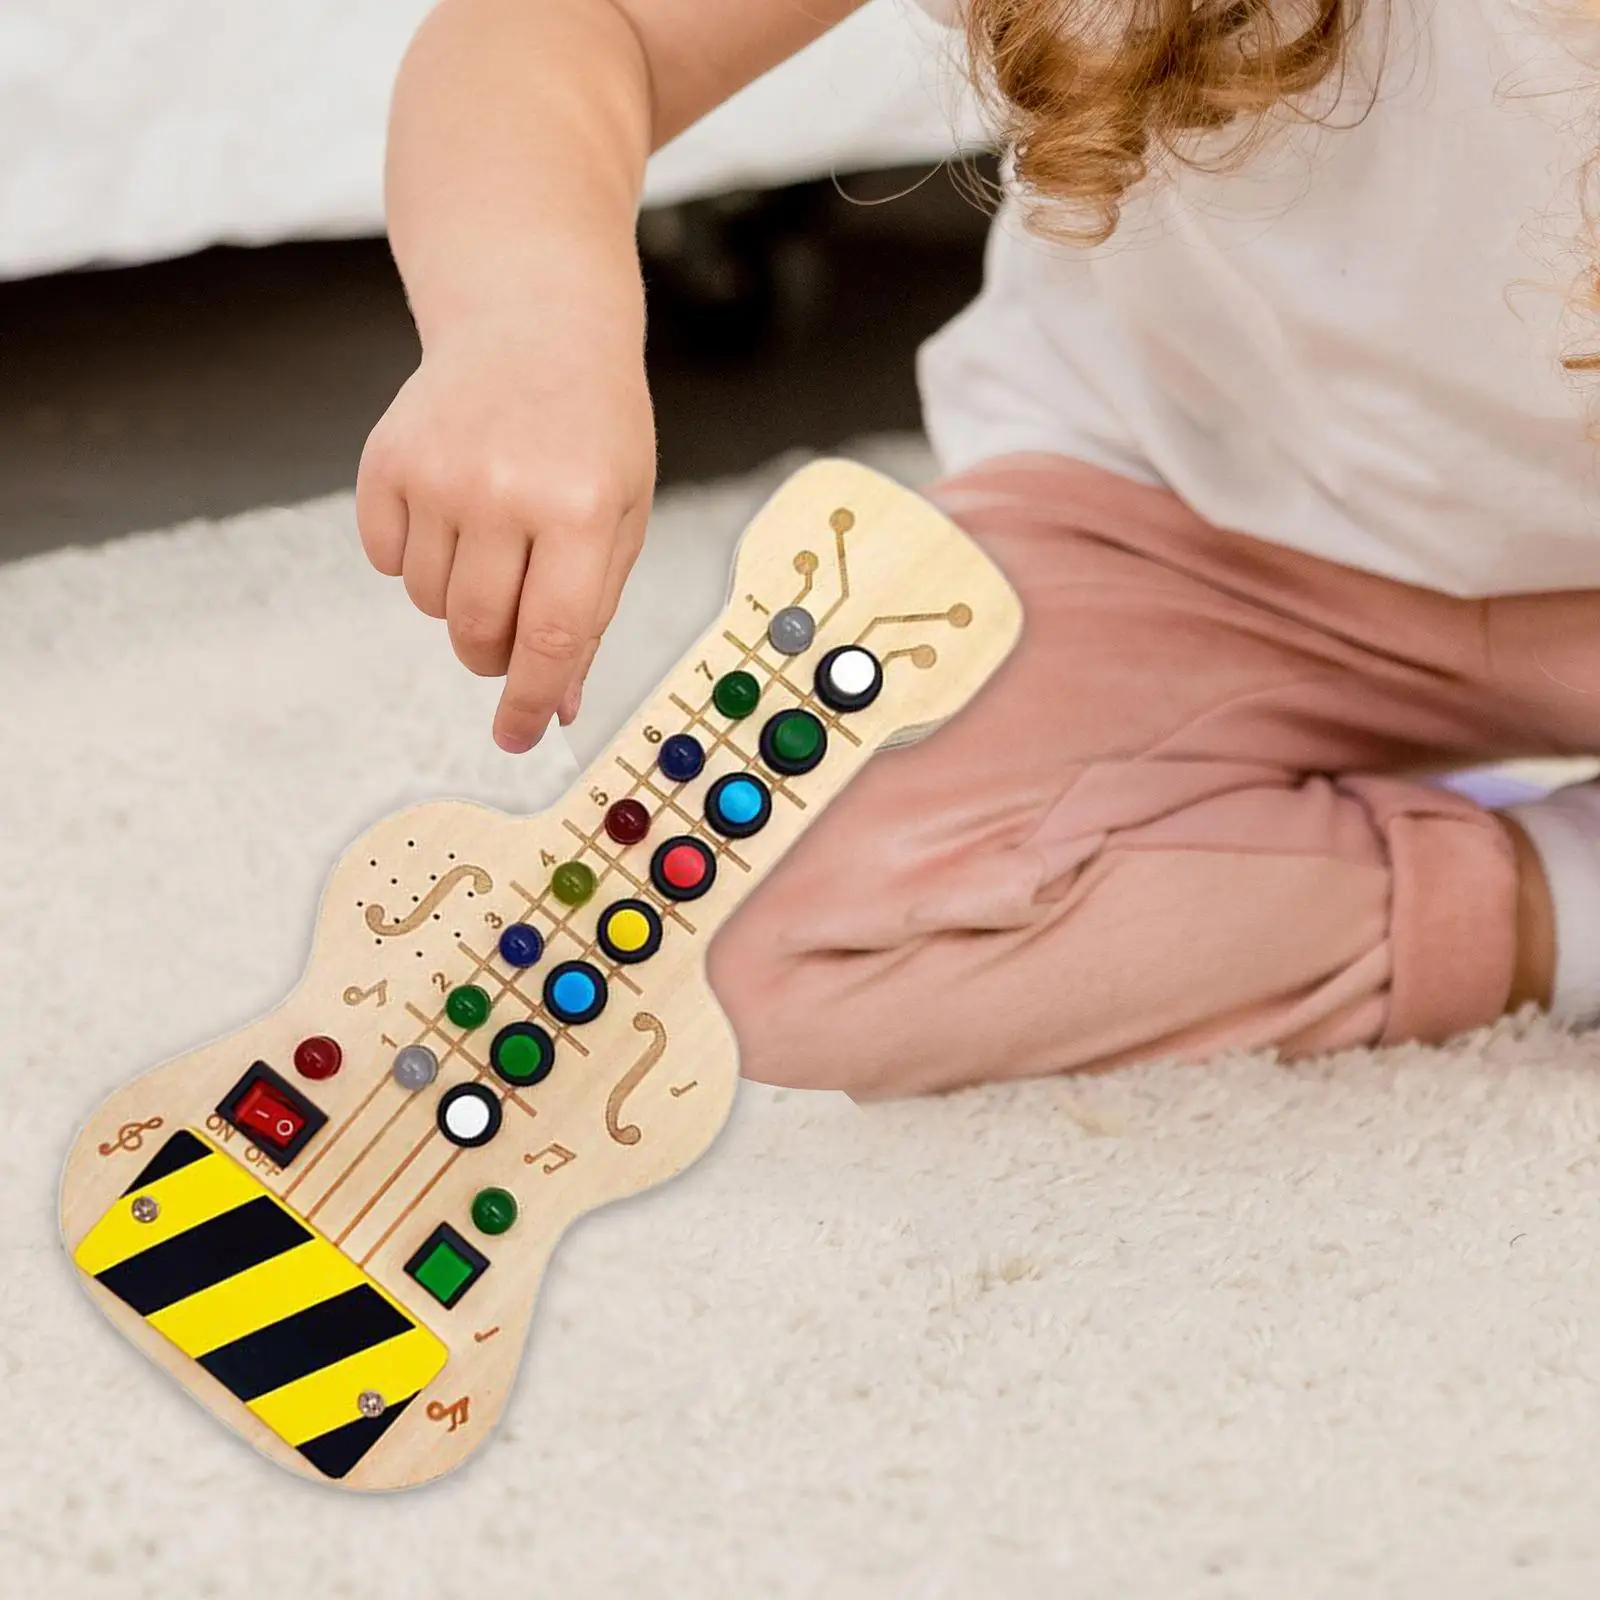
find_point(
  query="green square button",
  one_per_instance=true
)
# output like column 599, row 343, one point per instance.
column 446, row 1265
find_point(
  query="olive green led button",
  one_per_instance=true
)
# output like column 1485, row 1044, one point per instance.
column 468, row 1006
column 572, row 883
column 736, row 694
column 493, row 1210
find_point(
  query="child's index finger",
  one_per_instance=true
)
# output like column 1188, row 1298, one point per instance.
column 556, row 622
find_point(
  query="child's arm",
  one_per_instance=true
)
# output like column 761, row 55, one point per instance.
column 510, row 480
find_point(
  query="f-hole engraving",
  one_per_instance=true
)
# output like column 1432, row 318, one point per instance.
column 377, row 917
column 628, row 1132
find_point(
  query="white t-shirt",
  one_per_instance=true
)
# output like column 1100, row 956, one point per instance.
column 1352, row 346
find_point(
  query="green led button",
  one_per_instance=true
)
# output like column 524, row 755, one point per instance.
column 793, row 742
column 736, row 694
column 797, row 738
column 468, row 1006
column 572, row 883
column 446, row 1265
column 493, row 1210
column 522, row 1054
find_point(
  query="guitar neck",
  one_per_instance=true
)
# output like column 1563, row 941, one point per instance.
column 810, row 668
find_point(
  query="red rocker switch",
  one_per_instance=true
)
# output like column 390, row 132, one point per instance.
column 268, row 1116
column 270, row 1112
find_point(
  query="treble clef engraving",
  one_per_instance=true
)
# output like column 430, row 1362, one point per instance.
column 628, row 1133
column 130, row 1136
column 377, row 917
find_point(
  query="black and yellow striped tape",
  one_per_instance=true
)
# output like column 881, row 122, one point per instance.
column 278, row 1315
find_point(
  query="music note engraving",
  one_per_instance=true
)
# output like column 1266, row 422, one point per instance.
column 354, row 995
column 455, row 1413
column 130, row 1136
column 678, row 1090
column 559, row 1151
column 377, row 917
column 629, row 1133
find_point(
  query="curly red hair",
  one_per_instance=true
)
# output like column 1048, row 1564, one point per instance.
column 1090, row 95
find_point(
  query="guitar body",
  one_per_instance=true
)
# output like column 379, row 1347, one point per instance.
column 331, row 1225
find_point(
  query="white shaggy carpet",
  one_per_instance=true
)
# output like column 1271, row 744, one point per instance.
column 1236, row 1331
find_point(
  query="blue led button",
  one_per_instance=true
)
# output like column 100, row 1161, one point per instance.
column 738, row 805
column 681, row 757
column 520, row 945
column 575, row 992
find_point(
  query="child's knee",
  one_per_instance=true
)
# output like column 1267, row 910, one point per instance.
column 795, row 1029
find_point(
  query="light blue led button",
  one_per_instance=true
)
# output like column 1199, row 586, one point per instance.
column 738, row 805
column 575, row 992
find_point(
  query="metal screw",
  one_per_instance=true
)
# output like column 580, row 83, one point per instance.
column 371, row 1403
column 145, row 1209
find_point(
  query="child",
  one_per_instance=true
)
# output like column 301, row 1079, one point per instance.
column 1266, row 421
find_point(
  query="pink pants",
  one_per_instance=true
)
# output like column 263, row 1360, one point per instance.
column 1177, row 820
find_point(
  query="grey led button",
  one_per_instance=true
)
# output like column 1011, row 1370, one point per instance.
column 792, row 630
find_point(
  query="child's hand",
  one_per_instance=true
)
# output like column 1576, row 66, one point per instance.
column 509, row 484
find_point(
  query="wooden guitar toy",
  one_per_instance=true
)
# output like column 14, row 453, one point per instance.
column 330, row 1226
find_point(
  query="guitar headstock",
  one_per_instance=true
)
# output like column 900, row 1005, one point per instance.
column 880, row 570
column 331, row 1225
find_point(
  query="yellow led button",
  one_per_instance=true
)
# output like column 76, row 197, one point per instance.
column 630, row 931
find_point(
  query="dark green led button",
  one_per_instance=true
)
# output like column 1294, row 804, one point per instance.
column 736, row 694
column 572, row 883
column 468, row 1006
column 793, row 742
column 493, row 1210
column 446, row 1265
column 522, row 1054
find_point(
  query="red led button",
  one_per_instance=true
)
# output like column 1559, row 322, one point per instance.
column 627, row 822
column 268, row 1116
column 683, row 868
column 318, row 1057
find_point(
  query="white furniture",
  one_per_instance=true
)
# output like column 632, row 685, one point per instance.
column 136, row 129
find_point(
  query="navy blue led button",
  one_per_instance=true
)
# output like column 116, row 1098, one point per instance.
column 521, row 945
column 738, row 805
column 681, row 757
column 575, row 992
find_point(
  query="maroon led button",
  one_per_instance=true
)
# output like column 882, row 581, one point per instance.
column 318, row 1057
column 627, row 822
column 683, row 868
